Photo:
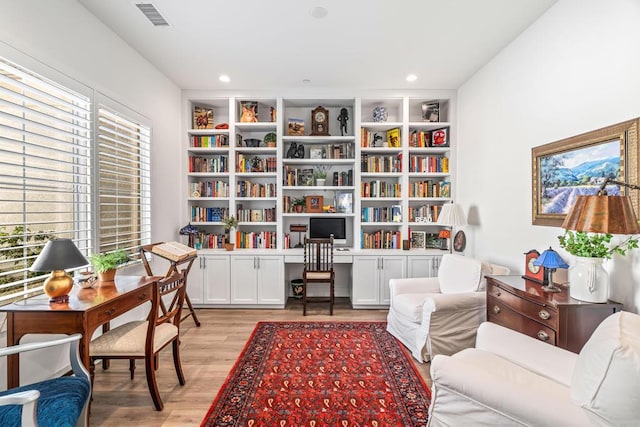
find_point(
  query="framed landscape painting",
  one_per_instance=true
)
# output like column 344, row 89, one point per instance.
column 579, row 166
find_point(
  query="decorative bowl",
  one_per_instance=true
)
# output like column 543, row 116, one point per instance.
column 252, row 142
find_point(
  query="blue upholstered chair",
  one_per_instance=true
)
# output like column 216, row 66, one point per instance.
column 55, row 402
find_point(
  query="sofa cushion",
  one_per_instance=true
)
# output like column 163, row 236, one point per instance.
column 606, row 378
column 458, row 274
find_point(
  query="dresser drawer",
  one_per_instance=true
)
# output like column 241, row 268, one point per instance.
column 115, row 308
column 546, row 315
column 503, row 315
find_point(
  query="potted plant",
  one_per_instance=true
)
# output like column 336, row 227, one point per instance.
column 321, row 174
column 105, row 264
column 588, row 280
column 270, row 139
column 299, row 203
column 230, row 222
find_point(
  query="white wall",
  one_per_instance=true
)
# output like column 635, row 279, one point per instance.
column 574, row 70
column 65, row 36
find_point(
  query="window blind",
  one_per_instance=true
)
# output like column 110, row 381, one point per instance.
column 45, row 173
column 124, row 182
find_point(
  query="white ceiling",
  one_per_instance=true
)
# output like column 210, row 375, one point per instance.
column 366, row 44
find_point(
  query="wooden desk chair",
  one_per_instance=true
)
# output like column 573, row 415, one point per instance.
column 173, row 268
column 144, row 339
column 318, row 268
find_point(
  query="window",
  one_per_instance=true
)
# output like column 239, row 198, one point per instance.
column 123, row 182
column 65, row 174
column 45, row 173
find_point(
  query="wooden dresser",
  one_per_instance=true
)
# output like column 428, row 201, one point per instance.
column 556, row 318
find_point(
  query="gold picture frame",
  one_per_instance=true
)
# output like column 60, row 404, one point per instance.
column 556, row 175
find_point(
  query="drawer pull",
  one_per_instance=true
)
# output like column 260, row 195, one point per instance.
column 496, row 309
column 142, row 296
column 110, row 311
column 543, row 336
column 544, row 314
column 498, row 293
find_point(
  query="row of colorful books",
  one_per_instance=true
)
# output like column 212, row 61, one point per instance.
column 381, row 239
column 215, row 164
column 424, row 213
column 430, row 188
column 204, row 214
column 255, row 163
column 297, row 177
column 209, row 189
column 381, row 214
column 377, row 188
column 428, row 164
column 255, row 240
column 257, row 215
column 380, row 163
column 209, row 141
column 247, row 188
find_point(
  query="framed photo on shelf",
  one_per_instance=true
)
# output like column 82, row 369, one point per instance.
column 345, row 203
column 316, row 153
column 202, row 117
column 579, row 164
column 418, row 240
column 314, row 203
column 295, row 127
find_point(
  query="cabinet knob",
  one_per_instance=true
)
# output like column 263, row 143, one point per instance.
column 110, row 311
column 544, row 314
column 498, row 293
column 543, row 336
column 496, row 309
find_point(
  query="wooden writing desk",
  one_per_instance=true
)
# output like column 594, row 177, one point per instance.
column 86, row 310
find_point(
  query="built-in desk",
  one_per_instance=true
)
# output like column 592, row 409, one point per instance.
column 86, row 310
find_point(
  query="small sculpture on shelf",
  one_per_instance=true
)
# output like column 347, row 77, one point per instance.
column 343, row 118
column 292, row 151
column 300, row 152
column 376, row 137
column 380, row 114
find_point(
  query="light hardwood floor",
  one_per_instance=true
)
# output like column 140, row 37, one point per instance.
column 208, row 354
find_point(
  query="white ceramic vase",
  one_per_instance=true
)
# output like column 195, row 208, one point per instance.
column 320, row 182
column 588, row 280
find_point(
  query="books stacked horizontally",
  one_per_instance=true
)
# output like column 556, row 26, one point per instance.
column 173, row 250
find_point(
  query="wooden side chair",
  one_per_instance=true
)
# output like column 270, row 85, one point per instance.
column 143, row 339
column 318, row 268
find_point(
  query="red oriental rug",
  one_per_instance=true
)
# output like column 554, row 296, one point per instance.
column 321, row 374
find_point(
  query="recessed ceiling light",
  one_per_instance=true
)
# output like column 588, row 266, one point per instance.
column 306, row 81
column 319, row 12
column 412, row 78
column 224, row 78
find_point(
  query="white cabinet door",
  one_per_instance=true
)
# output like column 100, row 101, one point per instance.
column 244, row 286
column 271, row 287
column 391, row 267
column 195, row 282
column 423, row 265
column 366, row 278
column 217, row 279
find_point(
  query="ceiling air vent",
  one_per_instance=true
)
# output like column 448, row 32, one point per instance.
column 152, row 14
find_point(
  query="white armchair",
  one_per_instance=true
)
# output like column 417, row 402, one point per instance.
column 513, row 379
column 440, row 315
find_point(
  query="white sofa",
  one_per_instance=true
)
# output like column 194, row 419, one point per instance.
column 511, row 379
column 440, row 315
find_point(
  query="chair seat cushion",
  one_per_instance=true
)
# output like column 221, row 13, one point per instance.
column 318, row 275
column 606, row 378
column 60, row 403
column 129, row 339
column 409, row 306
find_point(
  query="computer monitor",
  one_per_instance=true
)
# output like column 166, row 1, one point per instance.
column 323, row 227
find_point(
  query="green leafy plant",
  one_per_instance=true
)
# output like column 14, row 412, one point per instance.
column 108, row 260
column 230, row 222
column 18, row 250
column 270, row 138
column 594, row 245
column 321, row 171
column 300, row 201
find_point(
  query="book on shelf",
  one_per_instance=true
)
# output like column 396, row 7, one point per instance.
column 173, row 251
column 440, row 137
column 445, row 189
column 202, row 117
column 393, row 137
column 396, row 213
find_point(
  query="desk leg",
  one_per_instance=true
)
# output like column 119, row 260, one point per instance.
column 191, row 311
column 13, row 360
